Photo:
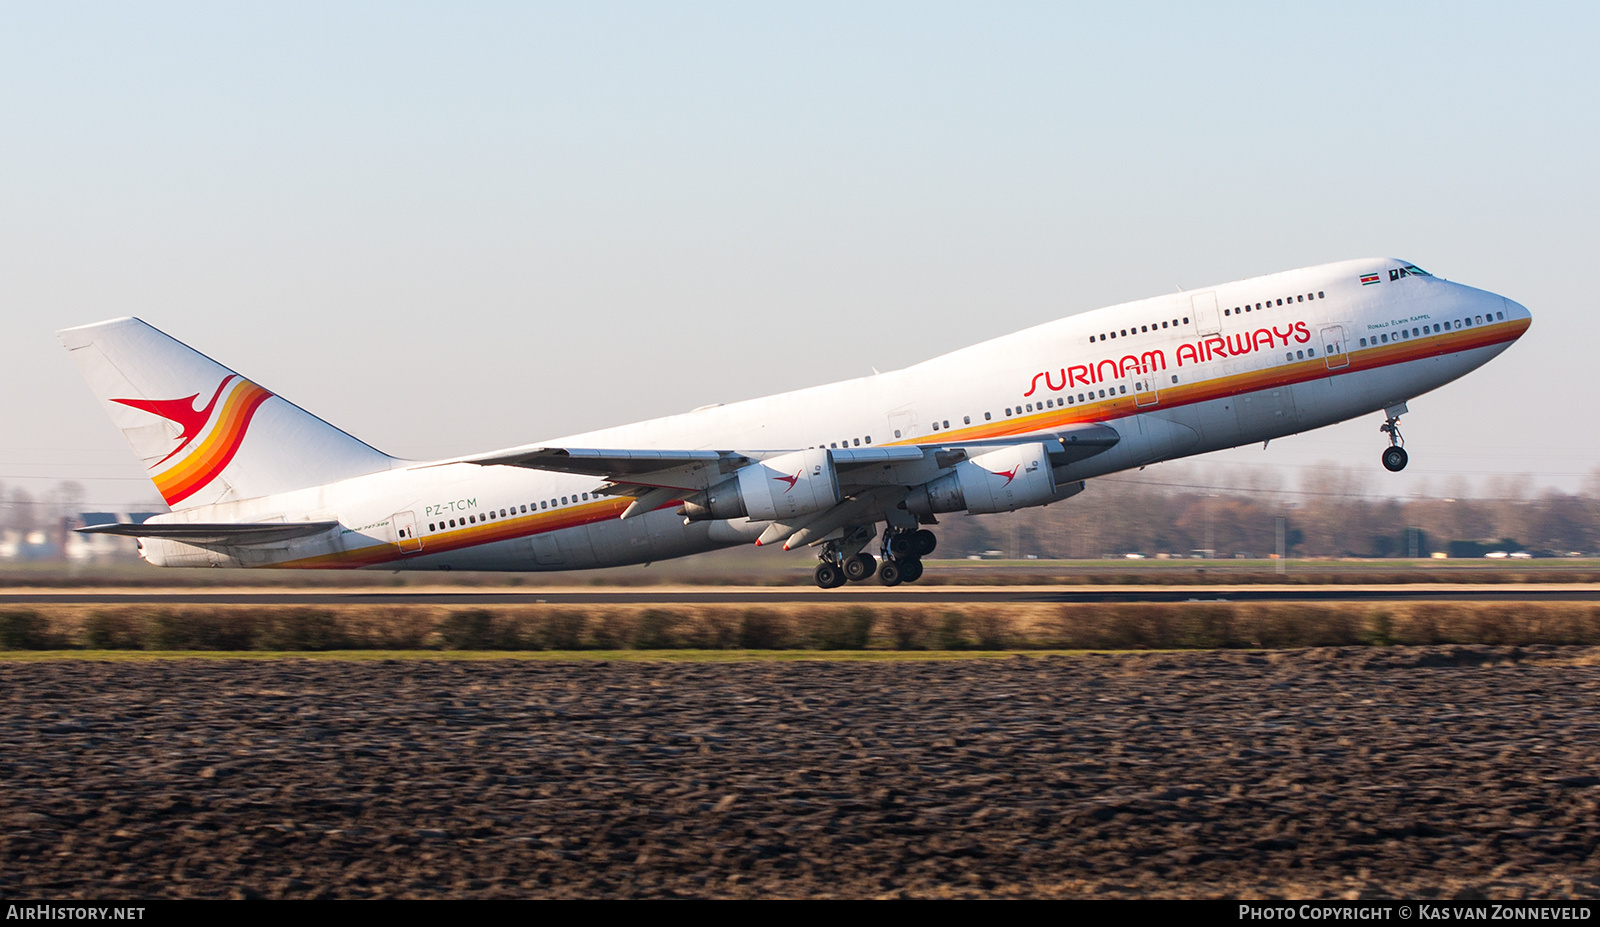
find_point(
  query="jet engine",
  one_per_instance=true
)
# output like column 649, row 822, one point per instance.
column 775, row 489
column 1002, row 480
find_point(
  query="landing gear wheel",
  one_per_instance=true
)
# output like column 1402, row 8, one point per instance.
column 910, row 570
column 1394, row 459
column 899, row 545
column 923, row 543
column 889, row 573
column 828, row 576
column 860, row 567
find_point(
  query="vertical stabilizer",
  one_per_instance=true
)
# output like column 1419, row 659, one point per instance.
column 205, row 433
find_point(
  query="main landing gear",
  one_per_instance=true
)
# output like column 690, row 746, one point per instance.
column 903, row 551
column 1394, row 456
column 843, row 560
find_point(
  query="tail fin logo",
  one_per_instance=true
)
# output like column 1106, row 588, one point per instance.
column 207, row 459
column 181, row 412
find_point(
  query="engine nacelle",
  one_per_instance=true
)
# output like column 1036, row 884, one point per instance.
column 775, row 489
column 1002, row 480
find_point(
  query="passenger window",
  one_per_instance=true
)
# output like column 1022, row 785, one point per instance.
column 1311, row 352
column 1102, row 394
column 1080, row 397
column 1363, row 342
column 897, row 432
column 1186, row 320
column 542, row 504
column 1500, row 315
column 868, row 438
column 1320, row 296
column 1227, row 312
column 1124, row 333
column 1122, row 389
column 1300, row 354
column 1287, row 356
column 1174, row 378
column 1163, row 325
column 1300, row 299
column 1069, row 400
column 430, row 526
column 986, row 418
column 452, row 522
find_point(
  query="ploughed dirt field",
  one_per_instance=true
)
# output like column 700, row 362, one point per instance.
column 1426, row 771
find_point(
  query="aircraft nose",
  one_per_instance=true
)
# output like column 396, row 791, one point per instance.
column 1517, row 312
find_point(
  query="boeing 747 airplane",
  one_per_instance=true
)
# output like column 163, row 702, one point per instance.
column 1022, row 420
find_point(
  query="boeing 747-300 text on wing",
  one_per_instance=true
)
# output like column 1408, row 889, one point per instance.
column 1022, row 420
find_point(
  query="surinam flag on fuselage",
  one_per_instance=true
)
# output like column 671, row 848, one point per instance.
column 205, row 433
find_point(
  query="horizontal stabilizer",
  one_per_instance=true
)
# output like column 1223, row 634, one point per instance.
column 226, row 535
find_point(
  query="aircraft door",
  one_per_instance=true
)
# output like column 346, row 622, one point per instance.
column 902, row 425
column 1146, row 389
column 1333, row 347
column 1207, row 318
column 405, row 532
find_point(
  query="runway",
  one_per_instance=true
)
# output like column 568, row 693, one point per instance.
column 763, row 595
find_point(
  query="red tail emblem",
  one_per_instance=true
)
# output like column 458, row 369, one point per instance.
column 182, row 412
column 1008, row 474
column 791, row 480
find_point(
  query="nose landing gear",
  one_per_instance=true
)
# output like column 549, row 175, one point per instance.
column 1394, row 456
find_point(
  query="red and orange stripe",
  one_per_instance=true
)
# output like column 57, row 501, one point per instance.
column 200, row 466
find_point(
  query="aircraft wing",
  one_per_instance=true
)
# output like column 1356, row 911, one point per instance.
column 669, row 469
column 637, row 472
column 229, row 535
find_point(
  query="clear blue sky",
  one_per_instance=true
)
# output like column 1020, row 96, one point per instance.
column 453, row 227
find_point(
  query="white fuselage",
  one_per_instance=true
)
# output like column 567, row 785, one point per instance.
column 1175, row 375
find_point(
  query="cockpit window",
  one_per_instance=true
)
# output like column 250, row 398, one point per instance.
column 1412, row 270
